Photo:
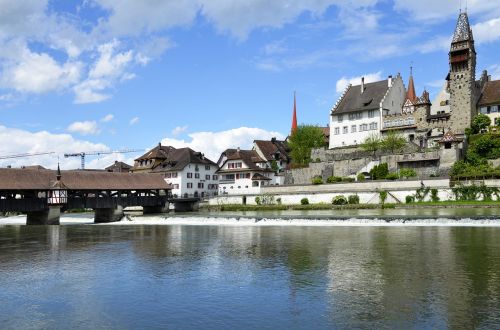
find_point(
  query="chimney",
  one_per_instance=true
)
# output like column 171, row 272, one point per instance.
column 273, row 140
column 389, row 81
column 362, row 85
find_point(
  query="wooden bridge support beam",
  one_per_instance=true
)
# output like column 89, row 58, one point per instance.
column 50, row 216
column 105, row 215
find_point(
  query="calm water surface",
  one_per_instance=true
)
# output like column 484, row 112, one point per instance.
column 216, row 277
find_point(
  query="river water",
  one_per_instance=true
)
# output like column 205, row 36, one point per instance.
column 242, row 276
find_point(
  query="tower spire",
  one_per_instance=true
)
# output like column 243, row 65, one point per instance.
column 294, row 118
column 410, row 94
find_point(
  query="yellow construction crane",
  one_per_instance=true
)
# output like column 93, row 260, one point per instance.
column 97, row 153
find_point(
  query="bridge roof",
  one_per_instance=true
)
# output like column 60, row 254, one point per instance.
column 32, row 179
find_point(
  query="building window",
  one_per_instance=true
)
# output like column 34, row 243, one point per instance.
column 363, row 127
column 174, row 175
column 371, row 113
column 201, row 185
column 189, row 175
column 215, row 177
column 353, row 129
column 176, row 186
column 190, row 185
column 345, row 130
column 340, row 118
column 207, row 177
column 373, row 126
column 207, row 167
column 336, row 131
column 234, row 165
column 168, row 175
column 197, row 175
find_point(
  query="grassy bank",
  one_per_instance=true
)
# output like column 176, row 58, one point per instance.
column 324, row 206
column 276, row 207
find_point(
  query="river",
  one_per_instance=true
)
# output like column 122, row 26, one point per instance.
column 248, row 276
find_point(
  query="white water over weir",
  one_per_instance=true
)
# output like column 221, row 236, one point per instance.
column 387, row 221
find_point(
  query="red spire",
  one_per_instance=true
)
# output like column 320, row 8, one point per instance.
column 411, row 95
column 294, row 119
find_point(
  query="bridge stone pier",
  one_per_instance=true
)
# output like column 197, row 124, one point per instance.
column 44, row 194
column 186, row 204
column 49, row 216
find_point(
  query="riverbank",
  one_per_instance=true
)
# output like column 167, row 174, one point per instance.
column 325, row 206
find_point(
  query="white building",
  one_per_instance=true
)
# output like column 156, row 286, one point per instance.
column 359, row 111
column 243, row 172
column 188, row 171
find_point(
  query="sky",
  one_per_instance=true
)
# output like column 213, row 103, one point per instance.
column 105, row 75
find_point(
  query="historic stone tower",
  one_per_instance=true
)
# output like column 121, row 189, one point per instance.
column 462, row 77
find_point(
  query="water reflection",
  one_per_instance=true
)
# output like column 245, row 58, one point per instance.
column 212, row 277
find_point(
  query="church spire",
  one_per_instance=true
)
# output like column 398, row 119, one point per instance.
column 294, row 118
column 410, row 94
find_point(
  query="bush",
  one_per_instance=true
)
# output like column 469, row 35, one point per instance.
column 383, row 196
column 434, row 195
column 257, row 200
column 421, row 193
column 353, row 199
column 392, row 176
column 379, row 172
column 317, row 180
column 361, row 177
column 410, row 199
column 333, row 179
column 348, row 179
column 339, row 200
column 407, row 173
column 304, row 201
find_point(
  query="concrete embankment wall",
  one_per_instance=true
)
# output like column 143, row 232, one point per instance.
column 368, row 192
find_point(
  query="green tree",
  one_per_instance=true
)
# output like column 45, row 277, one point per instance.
column 302, row 141
column 371, row 144
column 480, row 123
column 393, row 142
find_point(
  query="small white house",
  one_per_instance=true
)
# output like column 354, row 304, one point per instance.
column 188, row 171
column 243, row 172
column 359, row 111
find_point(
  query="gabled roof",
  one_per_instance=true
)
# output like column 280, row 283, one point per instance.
column 463, row 31
column 354, row 100
column 158, row 152
column 167, row 158
column 118, row 167
column 258, row 176
column 449, row 137
column 29, row 179
column 273, row 149
column 491, row 93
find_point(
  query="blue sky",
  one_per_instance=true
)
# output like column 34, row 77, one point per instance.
column 93, row 75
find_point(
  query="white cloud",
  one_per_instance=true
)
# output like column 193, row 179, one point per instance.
column 438, row 10
column 109, row 68
column 134, row 121
column 26, row 71
column 179, row 130
column 213, row 143
column 16, row 141
column 343, row 82
column 84, row 127
column 107, row 118
column 487, row 31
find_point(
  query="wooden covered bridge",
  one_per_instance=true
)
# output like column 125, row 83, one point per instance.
column 43, row 194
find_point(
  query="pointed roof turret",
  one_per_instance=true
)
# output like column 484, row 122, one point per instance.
column 410, row 94
column 294, row 118
column 463, row 31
